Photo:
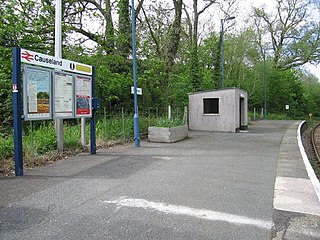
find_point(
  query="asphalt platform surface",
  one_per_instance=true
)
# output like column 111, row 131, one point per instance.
column 209, row 186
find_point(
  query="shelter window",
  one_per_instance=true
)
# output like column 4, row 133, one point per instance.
column 211, row 106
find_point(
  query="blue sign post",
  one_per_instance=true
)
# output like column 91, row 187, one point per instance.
column 136, row 121
column 16, row 102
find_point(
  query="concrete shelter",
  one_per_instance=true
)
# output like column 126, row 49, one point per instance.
column 221, row 110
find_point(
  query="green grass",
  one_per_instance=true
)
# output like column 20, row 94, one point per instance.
column 165, row 122
column 40, row 139
column 270, row 116
column 6, row 147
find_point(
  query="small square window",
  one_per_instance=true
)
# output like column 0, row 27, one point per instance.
column 211, row 106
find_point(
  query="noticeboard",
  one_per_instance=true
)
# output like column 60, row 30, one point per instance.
column 37, row 93
column 55, row 87
column 63, row 96
column 83, row 95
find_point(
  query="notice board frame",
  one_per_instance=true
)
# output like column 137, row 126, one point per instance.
column 29, row 57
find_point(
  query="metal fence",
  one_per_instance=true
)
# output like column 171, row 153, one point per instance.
column 117, row 123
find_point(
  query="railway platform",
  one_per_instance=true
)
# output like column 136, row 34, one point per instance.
column 297, row 191
column 213, row 185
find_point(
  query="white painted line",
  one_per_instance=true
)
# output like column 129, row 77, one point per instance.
column 163, row 158
column 192, row 212
column 311, row 174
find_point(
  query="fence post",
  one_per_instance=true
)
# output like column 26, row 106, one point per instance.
column 122, row 114
column 148, row 116
column 105, row 124
column 169, row 112
column 185, row 116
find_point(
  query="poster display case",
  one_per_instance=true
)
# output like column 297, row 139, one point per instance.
column 63, row 95
column 37, row 93
column 83, row 96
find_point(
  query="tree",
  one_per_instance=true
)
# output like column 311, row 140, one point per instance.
column 165, row 31
column 294, row 34
column 103, row 33
column 195, row 74
column 27, row 24
column 99, row 11
column 174, row 36
column 124, row 31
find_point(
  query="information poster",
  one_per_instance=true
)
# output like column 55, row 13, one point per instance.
column 83, row 96
column 37, row 92
column 63, row 95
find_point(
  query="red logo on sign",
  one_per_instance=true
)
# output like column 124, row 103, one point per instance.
column 27, row 56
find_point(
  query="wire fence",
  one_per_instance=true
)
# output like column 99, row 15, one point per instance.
column 117, row 123
column 112, row 125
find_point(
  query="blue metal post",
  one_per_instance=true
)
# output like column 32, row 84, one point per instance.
column 222, row 54
column 265, row 84
column 136, row 124
column 93, row 147
column 16, row 103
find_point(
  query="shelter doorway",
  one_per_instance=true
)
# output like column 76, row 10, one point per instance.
column 242, row 126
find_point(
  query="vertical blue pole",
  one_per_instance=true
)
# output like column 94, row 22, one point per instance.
column 16, row 103
column 222, row 54
column 93, row 147
column 136, row 124
column 265, row 84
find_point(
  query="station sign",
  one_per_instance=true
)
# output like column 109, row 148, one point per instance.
column 139, row 90
column 48, row 61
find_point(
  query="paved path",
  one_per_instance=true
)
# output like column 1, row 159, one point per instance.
column 210, row 186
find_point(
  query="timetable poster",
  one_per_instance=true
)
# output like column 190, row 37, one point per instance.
column 63, row 95
column 37, row 92
column 83, row 96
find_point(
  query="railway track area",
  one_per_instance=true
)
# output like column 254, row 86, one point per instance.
column 315, row 139
column 312, row 136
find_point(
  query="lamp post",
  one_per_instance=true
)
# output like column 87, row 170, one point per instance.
column 222, row 48
column 58, row 54
column 265, row 84
column 136, row 124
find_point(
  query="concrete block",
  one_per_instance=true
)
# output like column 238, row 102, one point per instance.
column 167, row 134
